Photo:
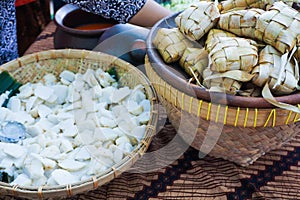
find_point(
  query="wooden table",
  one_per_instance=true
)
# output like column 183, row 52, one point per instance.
column 275, row 175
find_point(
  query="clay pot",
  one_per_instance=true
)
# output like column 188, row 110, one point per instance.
column 67, row 34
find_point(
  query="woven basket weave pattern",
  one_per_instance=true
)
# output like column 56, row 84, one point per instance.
column 32, row 68
column 246, row 133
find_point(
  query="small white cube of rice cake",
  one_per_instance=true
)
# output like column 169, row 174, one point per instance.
column 23, row 117
column 14, row 104
column 138, row 132
column 65, row 145
column 52, row 99
column 25, row 91
column 128, row 124
column 48, row 164
column 87, row 101
column 50, row 152
column 63, row 177
column 103, row 152
column 107, row 133
column 137, row 94
column 118, row 109
column 22, row 179
column 19, row 162
column 34, row 130
column 125, row 147
column 6, row 162
column 39, row 181
column 79, row 115
column 106, row 161
column 86, row 136
column 71, row 165
column 134, row 108
column 34, row 148
column 43, row 92
column 146, row 104
column 65, row 115
column 3, row 113
column 120, row 94
column 118, row 155
column 14, row 150
column 78, row 83
column 4, row 97
column 123, row 139
column 97, row 91
column 44, row 111
column 144, row 117
column 86, row 125
column 49, row 79
column 61, row 91
column 73, row 106
column 105, row 79
column 95, row 167
column 107, row 122
column 34, row 168
column 98, row 135
column 107, row 94
column 67, row 123
column 53, row 118
column 51, row 181
column 105, row 113
column 67, row 75
column 73, row 95
column 72, row 131
column 89, row 78
column 30, row 102
column 83, row 154
column 45, row 124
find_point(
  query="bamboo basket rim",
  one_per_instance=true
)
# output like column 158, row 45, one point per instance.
column 112, row 172
column 176, row 77
column 235, row 116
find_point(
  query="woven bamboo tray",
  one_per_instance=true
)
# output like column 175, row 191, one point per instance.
column 239, row 129
column 32, row 68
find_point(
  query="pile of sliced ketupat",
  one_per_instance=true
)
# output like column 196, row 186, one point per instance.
column 77, row 126
column 246, row 48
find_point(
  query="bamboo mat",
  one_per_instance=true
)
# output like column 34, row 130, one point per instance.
column 275, row 175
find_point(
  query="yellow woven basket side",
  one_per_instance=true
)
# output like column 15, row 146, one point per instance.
column 228, row 115
column 33, row 67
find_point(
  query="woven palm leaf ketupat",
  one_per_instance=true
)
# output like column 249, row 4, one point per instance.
column 241, row 22
column 268, row 69
column 233, row 53
column 279, row 26
column 213, row 35
column 245, row 134
column 220, row 83
column 198, row 19
column 245, row 127
column 194, row 61
column 230, row 5
column 171, row 44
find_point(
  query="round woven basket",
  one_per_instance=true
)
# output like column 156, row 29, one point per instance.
column 31, row 68
column 244, row 127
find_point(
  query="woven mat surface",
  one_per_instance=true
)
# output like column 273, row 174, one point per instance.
column 275, row 175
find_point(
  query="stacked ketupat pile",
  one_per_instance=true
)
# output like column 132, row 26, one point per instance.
column 252, row 43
